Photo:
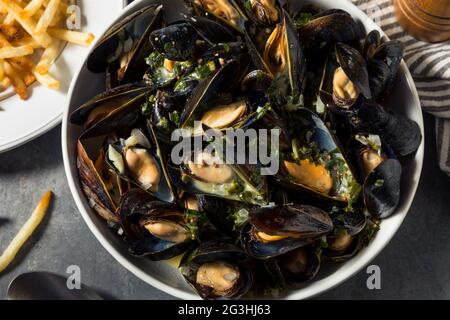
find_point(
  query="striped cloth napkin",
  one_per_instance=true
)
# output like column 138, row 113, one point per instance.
column 430, row 67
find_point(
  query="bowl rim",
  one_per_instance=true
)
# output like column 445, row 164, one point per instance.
column 321, row 286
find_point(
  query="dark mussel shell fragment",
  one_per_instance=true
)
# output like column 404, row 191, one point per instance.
column 226, row 215
column 256, row 80
column 158, row 229
column 106, row 103
column 273, row 231
column 164, row 113
column 140, row 162
column 382, row 189
column 400, row 133
column 379, row 75
column 226, row 11
column 299, row 265
column 217, row 269
column 316, row 165
column 124, row 47
column 322, row 33
column 176, row 42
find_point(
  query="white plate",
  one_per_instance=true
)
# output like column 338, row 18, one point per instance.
column 404, row 99
column 22, row 121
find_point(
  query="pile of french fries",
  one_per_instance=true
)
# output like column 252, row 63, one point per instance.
column 32, row 35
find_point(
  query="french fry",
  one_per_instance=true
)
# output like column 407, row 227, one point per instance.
column 5, row 83
column 12, row 32
column 49, row 56
column 27, row 23
column 32, row 8
column 32, row 37
column 47, row 80
column 48, row 16
column 17, row 82
column 2, row 71
column 12, row 52
column 25, row 232
column 26, row 41
column 80, row 38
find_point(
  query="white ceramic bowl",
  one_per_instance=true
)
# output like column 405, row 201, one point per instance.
column 166, row 278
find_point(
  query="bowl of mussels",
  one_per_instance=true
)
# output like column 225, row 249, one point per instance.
column 322, row 73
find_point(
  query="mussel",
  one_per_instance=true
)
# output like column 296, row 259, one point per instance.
column 106, row 103
column 122, row 51
column 262, row 12
column 213, row 111
column 345, row 79
column 403, row 135
column 326, row 30
column 160, row 230
column 273, row 231
column 226, row 11
column 345, row 241
column 136, row 160
column 282, row 56
column 217, row 270
column 205, row 173
column 316, row 164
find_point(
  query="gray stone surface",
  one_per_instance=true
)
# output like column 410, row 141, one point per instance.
column 414, row 265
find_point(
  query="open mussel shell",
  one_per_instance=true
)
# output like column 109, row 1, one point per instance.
column 283, row 55
column 403, row 135
column 161, row 227
column 225, row 11
column 262, row 12
column 205, row 174
column 126, row 45
column 317, row 166
column 216, row 112
column 138, row 161
column 273, row 231
column 108, row 102
column 326, row 30
column 343, row 243
column 370, row 44
column 355, row 68
column 382, row 189
column 94, row 187
column 217, row 269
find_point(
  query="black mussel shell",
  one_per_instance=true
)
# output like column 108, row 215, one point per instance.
column 382, row 189
column 299, row 265
column 106, row 103
column 400, row 133
column 328, row 29
column 355, row 67
column 370, row 44
column 298, row 225
column 215, row 251
column 176, row 42
column 256, row 80
column 220, row 81
column 379, row 75
column 135, row 208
